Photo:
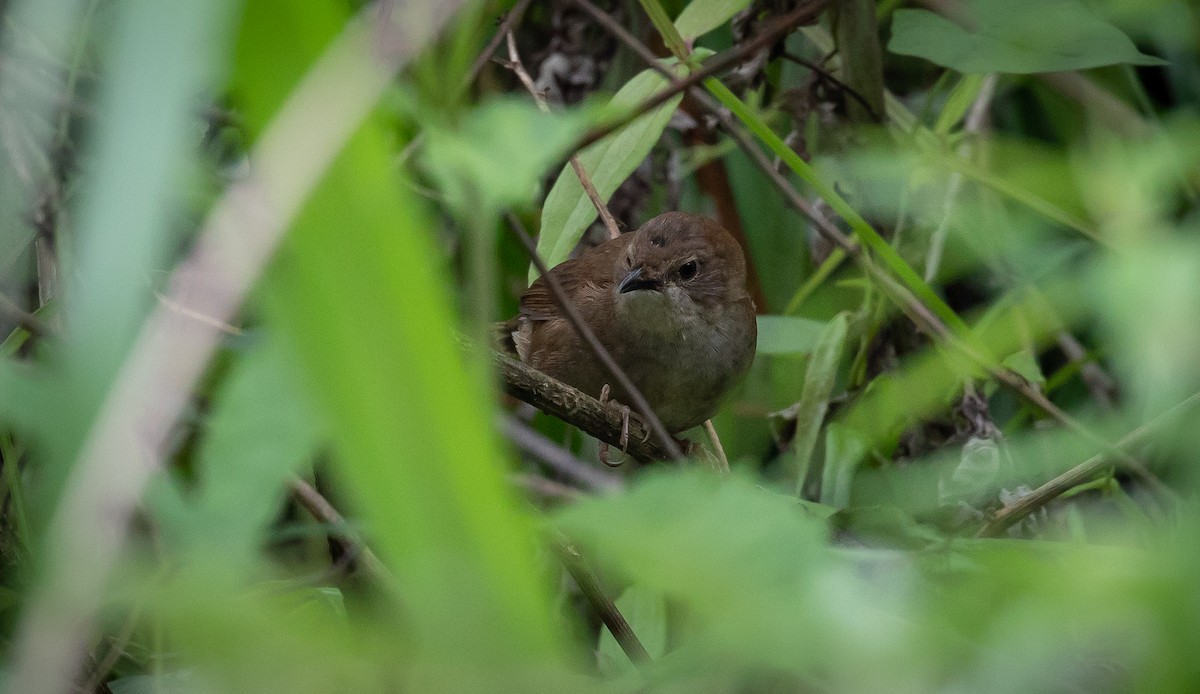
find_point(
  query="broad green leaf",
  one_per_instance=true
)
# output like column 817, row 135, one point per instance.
column 699, row 536
column 567, row 211
column 788, row 334
column 358, row 289
column 809, row 412
column 1016, row 36
column 741, row 561
column 702, row 16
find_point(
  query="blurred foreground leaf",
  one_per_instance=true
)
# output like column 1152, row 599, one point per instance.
column 1016, row 36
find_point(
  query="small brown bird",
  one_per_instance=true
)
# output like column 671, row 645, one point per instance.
column 668, row 301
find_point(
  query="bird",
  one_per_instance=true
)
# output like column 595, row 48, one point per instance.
column 669, row 303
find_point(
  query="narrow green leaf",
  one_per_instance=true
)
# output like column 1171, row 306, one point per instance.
column 844, row 450
column 1026, row 365
column 702, row 16
column 567, row 211
column 862, row 229
column 957, row 104
column 1016, row 36
column 809, row 411
column 668, row 32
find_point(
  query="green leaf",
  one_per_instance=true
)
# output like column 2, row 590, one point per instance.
column 608, row 162
column 844, row 450
column 503, row 135
column 359, row 291
column 862, row 229
column 1025, row 363
column 662, row 23
column 809, row 411
column 263, row 429
column 959, row 101
column 788, row 334
column 702, row 16
column 740, row 560
column 693, row 534
column 1016, row 36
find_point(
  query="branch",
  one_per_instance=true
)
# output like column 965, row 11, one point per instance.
column 322, row 510
column 580, row 409
column 556, row 457
column 722, row 61
column 589, row 188
column 1013, row 513
column 608, row 613
column 506, row 26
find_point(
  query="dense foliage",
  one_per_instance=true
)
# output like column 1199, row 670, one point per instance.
column 249, row 440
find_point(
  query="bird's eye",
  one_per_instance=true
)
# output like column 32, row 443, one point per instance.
column 688, row 270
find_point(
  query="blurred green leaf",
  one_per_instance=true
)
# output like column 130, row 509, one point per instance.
column 262, row 430
column 845, row 449
column 700, row 536
column 410, row 423
column 958, row 103
column 809, row 411
column 357, row 287
column 1016, row 36
column 666, row 30
column 702, row 16
column 1025, row 363
column 788, row 334
column 496, row 157
column 646, row 612
column 567, row 211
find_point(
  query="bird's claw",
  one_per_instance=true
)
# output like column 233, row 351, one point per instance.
column 624, row 439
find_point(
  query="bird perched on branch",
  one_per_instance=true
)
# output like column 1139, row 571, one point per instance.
column 668, row 301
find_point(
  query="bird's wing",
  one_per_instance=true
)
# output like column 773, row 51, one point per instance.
column 579, row 285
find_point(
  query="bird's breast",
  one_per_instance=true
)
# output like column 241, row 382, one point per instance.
column 683, row 359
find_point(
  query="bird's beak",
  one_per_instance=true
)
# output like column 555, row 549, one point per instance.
column 634, row 281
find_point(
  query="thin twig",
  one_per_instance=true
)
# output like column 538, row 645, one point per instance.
column 531, row 441
column 506, row 27
column 974, row 121
column 718, row 449
column 589, row 337
column 316, row 504
column 825, row 74
column 115, row 650
column 712, row 66
column 515, row 64
column 1085, row 471
column 604, row 608
column 547, row 488
column 1097, row 380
